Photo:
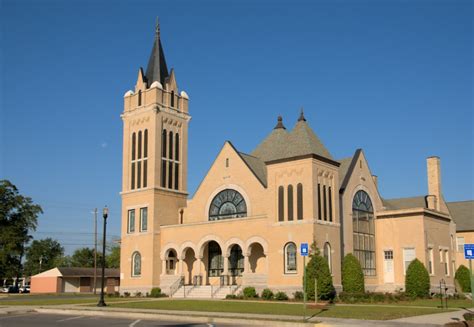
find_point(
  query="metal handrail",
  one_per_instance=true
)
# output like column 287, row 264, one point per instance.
column 176, row 285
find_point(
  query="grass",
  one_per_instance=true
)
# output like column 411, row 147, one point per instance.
column 357, row 312
column 50, row 300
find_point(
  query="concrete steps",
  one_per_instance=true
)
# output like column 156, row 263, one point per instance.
column 205, row 292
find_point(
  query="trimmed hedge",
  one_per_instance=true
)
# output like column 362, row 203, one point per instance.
column 352, row 275
column 317, row 268
column 281, row 296
column 267, row 294
column 155, row 292
column 249, row 292
column 298, row 295
column 417, row 280
column 463, row 276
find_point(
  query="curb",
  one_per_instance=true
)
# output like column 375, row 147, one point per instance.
column 174, row 317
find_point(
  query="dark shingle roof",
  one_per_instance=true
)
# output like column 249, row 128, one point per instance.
column 257, row 166
column 281, row 144
column 157, row 69
column 405, row 203
column 463, row 214
column 87, row 272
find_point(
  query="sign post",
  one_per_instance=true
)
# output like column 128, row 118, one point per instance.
column 469, row 254
column 304, row 252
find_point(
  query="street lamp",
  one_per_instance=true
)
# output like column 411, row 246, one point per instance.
column 105, row 214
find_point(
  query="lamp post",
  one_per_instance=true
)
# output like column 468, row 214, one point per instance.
column 105, row 213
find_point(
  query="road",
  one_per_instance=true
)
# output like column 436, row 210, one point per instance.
column 47, row 320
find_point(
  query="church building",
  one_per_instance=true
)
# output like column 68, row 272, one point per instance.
column 246, row 221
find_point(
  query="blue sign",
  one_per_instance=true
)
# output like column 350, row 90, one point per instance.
column 304, row 249
column 469, row 251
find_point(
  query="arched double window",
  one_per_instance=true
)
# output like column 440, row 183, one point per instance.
column 227, row 204
column 290, row 258
column 136, row 264
column 364, row 232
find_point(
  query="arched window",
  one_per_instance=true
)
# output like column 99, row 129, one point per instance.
column 299, row 201
column 145, row 158
column 176, row 164
column 136, row 264
column 163, row 156
column 139, row 97
column 134, row 140
column 364, row 232
column 139, row 162
column 327, row 255
column 290, row 202
column 227, row 204
column 290, row 258
column 236, row 261
column 281, row 205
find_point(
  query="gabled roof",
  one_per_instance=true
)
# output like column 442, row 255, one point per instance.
column 87, row 272
column 301, row 141
column 157, row 69
column 405, row 203
column 346, row 168
column 463, row 214
column 257, row 166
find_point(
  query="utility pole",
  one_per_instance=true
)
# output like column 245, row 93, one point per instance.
column 95, row 250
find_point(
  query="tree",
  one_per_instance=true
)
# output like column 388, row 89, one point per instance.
column 318, row 269
column 84, row 257
column 352, row 275
column 18, row 217
column 42, row 255
column 463, row 276
column 417, row 280
column 113, row 258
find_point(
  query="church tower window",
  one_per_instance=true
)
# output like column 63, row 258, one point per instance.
column 227, row 204
column 134, row 140
column 145, row 158
column 163, row 157
column 330, row 202
column 290, row 202
column 299, row 201
column 281, row 205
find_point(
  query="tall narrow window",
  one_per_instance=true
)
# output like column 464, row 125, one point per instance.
column 171, row 145
column 325, row 203
column 139, row 98
column 290, row 202
column 319, row 202
column 170, row 175
column 176, row 145
column 172, row 98
column 446, row 262
column 134, row 140
column 281, row 205
column 139, row 174
column 176, row 176
column 145, row 158
column 363, row 227
column 408, row 257
column 330, row 202
column 143, row 219
column 430, row 261
column 139, row 163
column 290, row 258
column 131, row 221
column 299, row 201
column 163, row 156
column 136, row 264
column 327, row 255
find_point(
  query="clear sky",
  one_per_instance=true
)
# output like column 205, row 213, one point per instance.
column 392, row 77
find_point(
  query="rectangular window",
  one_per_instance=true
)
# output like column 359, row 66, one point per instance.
column 163, row 173
column 325, row 203
column 319, row 202
column 145, row 166
column 133, row 176
column 460, row 243
column 143, row 219
column 430, row 261
column 290, row 202
column 330, row 203
column 139, row 174
column 281, row 205
column 388, row 255
column 131, row 221
column 446, row 262
column 408, row 257
column 176, row 176
column 170, row 176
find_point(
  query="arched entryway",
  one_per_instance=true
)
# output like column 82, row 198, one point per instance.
column 257, row 259
column 171, row 260
column 189, row 265
column 236, row 263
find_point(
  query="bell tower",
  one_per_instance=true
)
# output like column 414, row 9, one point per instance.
column 154, row 188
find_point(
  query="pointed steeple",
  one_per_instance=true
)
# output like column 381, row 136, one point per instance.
column 157, row 69
column 301, row 118
column 280, row 123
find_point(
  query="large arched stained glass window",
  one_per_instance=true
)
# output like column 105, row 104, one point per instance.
column 136, row 264
column 364, row 232
column 227, row 204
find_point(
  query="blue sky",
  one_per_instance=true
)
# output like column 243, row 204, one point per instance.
column 392, row 77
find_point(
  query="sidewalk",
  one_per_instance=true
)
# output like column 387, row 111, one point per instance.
column 438, row 319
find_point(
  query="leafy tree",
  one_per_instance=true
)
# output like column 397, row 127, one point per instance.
column 18, row 217
column 352, row 275
column 113, row 258
column 318, row 269
column 463, row 276
column 84, row 257
column 417, row 280
column 42, row 255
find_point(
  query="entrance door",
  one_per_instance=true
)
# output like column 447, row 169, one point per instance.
column 388, row 266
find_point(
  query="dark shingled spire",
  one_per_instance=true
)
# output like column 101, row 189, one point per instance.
column 156, row 69
column 301, row 118
column 280, row 123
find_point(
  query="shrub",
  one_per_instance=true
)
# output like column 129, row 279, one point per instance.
column 417, row 280
column 281, row 296
column 138, row 294
column 463, row 276
column 298, row 295
column 155, row 292
column 231, row 297
column 126, row 294
column 267, row 294
column 249, row 292
column 318, row 269
column 352, row 275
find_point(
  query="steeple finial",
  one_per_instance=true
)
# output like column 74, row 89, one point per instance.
column 301, row 118
column 157, row 28
column 280, row 123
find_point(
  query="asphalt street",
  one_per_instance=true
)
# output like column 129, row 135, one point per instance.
column 46, row 320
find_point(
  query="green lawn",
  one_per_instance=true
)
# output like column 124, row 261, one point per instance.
column 55, row 300
column 357, row 312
